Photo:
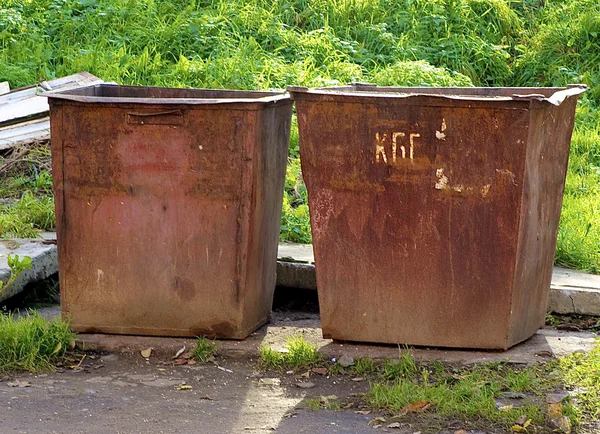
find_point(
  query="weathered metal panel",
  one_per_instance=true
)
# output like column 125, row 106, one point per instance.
column 416, row 204
column 159, row 205
column 545, row 172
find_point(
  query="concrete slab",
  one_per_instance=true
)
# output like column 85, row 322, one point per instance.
column 292, row 252
column 544, row 344
column 574, row 292
column 43, row 258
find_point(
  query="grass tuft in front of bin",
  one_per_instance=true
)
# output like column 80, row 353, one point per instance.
column 31, row 343
column 298, row 354
column 204, row 349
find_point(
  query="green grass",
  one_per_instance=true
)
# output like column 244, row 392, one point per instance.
column 581, row 374
column 31, row 343
column 27, row 216
column 467, row 394
column 470, row 393
column 258, row 44
column 299, row 354
column 204, row 349
column 323, row 403
column 364, row 366
column 404, row 367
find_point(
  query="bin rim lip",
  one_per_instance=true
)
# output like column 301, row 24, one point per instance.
column 272, row 96
column 358, row 90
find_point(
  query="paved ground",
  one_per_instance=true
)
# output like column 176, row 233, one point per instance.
column 122, row 392
column 127, row 394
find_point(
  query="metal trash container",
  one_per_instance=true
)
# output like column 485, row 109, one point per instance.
column 434, row 211
column 168, row 206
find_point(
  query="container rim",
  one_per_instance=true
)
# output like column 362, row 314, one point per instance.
column 552, row 95
column 97, row 94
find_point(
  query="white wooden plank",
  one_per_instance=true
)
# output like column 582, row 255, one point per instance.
column 24, row 132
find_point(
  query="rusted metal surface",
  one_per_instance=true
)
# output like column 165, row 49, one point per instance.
column 434, row 212
column 168, row 206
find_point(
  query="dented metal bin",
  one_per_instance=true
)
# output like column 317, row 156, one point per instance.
column 434, row 211
column 168, row 205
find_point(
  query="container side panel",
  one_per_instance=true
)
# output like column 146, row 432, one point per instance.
column 56, row 125
column 269, row 157
column 414, row 212
column 153, row 222
column 546, row 168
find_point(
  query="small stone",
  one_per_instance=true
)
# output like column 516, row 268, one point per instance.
column 394, row 425
column 561, row 424
column 521, row 420
column 346, row 361
column 305, row 385
column 556, row 397
column 109, row 358
column 320, row 371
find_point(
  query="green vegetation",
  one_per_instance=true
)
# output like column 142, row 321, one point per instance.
column 16, row 266
column 432, row 394
column 32, row 343
column 258, row 44
column 204, row 349
column 581, row 372
column 26, row 216
column 298, row 354
column 323, row 403
column 26, row 190
column 364, row 366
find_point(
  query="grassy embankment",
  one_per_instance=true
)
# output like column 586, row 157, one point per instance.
column 257, row 44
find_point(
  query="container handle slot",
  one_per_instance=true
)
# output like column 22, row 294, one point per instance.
column 170, row 117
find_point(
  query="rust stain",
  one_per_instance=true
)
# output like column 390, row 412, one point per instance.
column 184, row 288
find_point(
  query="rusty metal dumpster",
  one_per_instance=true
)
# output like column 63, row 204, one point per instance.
column 168, row 208
column 434, row 211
